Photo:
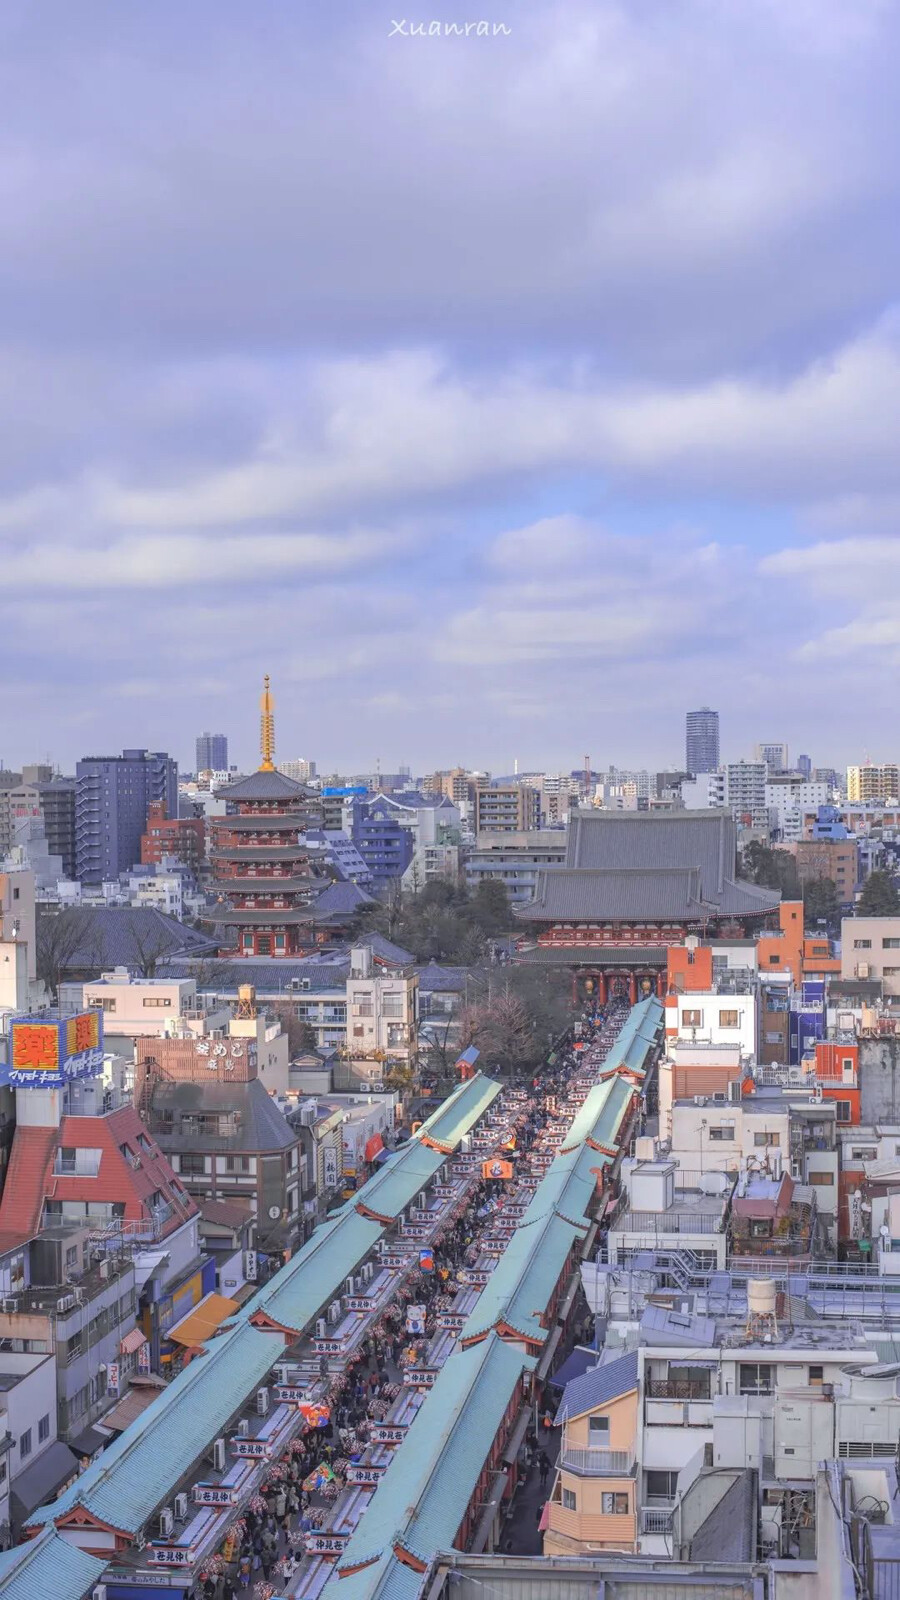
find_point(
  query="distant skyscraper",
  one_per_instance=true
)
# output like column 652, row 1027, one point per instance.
column 804, row 765
column 701, row 745
column 112, row 794
column 212, row 752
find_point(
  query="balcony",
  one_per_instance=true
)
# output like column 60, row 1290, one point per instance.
column 591, row 1461
column 677, row 1389
column 657, row 1518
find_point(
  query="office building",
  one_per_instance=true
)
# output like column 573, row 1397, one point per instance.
column 873, row 783
column 774, row 754
column 113, row 795
column 701, row 744
column 212, row 752
column 300, row 770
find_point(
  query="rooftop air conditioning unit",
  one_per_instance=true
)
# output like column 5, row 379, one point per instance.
column 10, row 1304
column 104, row 1269
column 282, row 1373
column 321, row 1328
column 166, row 1523
column 334, row 1311
column 181, row 1507
column 699, row 1099
column 262, row 1402
column 218, row 1455
column 99, row 1591
column 66, row 1302
column 368, row 1272
column 734, row 1092
column 350, row 1285
column 244, row 1428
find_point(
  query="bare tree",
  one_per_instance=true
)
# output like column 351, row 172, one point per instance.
column 150, row 946
column 59, row 935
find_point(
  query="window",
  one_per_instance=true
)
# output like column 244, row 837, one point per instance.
column 843, row 1110
column 774, row 1037
column 820, row 1180
column 192, row 1164
column 729, row 1019
column 392, row 1006
column 662, row 1485
column 25, row 1443
column 237, row 1163
column 614, row 1505
column 766, row 1138
column 44, row 1428
column 890, row 944
column 817, row 1374
column 862, row 944
column 692, row 1019
column 890, row 972
column 760, row 1227
column 598, row 1430
column 774, row 961
column 754, row 1377
column 156, row 1003
column 724, row 1131
column 103, row 1005
column 569, row 1501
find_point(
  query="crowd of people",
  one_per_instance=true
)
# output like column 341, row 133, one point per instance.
column 266, row 1547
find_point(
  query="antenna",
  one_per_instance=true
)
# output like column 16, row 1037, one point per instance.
column 267, row 728
column 587, row 773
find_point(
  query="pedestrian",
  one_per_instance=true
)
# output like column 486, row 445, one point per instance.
column 268, row 1564
column 243, row 1571
column 544, row 1465
column 228, row 1587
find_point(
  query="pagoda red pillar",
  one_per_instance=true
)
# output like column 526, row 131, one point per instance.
column 660, row 986
column 632, row 989
column 601, row 988
column 574, row 988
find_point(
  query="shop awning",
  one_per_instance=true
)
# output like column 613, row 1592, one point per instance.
column 132, row 1342
column 201, row 1323
column 383, row 1155
column 373, row 1146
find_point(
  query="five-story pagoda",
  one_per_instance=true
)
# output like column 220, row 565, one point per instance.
column 262, row 866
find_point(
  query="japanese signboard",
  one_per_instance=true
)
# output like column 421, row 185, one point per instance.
column 444, row 1191
column 451, row 1321
column 330, row 1166
column 419, row 1377
column 361, row 1302
column 393, row 1261
column 472, row 1277
column 216, row 1494
column 290, row 1394
column 325, row 1544
column 365, row 1476
column 387, row 1432
column 45, row 1053
column 143, row 1357
column 252, row 1449
column 414, row 1230
column 171, row 1555
column 327, row 1347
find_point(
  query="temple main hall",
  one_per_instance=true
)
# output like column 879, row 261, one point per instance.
column 633, row 883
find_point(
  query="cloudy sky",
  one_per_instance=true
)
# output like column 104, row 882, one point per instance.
column 502, row 397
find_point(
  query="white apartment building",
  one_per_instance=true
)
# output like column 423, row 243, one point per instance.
column 382, row 1016
column 745, row 793
column 788, row 799
column 722, row 1016
column 706, row 790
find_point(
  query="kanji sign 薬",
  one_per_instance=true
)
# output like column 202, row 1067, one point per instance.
column 48, row 1052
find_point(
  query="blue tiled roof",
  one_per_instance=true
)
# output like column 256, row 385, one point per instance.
column 460, row 1111
column 442, row 980
column 422, row 1498
column 600, row 1384
column 315, row 1275
column 48, row 1567
column 125, row 1484
column 520, row 1287
column 127, row 936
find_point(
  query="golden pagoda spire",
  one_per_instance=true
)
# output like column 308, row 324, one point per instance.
column 267, row 728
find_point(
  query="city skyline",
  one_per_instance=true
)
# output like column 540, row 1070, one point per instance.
column 613, row 462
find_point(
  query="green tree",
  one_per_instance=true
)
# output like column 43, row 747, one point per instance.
column 490, row 908
column 820, row 901
column 879, row 896
column 772, row 869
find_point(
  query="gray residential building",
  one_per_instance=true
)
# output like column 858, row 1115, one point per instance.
column 701, row 743
column 112, row 795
